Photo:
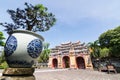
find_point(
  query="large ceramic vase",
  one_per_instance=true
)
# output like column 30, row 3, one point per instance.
column 22, row 48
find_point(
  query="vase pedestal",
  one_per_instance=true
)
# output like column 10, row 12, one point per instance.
column 18, row 74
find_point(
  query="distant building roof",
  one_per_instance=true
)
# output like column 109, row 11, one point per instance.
column 66, row 47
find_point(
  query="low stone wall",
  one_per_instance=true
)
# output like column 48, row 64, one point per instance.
column 40, row 65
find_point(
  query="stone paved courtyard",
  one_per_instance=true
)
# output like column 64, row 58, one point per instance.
column 66, row 74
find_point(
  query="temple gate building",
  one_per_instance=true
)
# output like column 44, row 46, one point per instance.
column 70, row 55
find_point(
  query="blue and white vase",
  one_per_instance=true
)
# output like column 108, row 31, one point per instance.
column 22, row 48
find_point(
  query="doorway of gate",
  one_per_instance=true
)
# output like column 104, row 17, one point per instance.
column 55, row 63
column 66, row 62
column 80, row 63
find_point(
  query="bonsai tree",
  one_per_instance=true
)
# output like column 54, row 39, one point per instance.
column 32, row 18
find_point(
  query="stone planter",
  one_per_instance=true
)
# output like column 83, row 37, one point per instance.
column 22, row 48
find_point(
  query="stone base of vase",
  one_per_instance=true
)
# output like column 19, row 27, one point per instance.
column 18, row 74
column 17, row 78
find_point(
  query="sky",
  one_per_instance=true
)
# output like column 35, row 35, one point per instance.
column 77, row 20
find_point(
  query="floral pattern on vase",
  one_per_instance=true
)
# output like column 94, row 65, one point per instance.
column 20, row 64
column 10, row 46
column 34, row 48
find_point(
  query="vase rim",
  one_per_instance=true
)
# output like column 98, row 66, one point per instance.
column 28, row 32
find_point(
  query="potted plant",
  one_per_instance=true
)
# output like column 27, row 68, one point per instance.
column 23, row 45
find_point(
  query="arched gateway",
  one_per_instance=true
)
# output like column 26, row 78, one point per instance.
column 55, row 63
column 70, row 55
column 66, row 62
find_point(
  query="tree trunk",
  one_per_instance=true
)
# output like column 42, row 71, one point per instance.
column 29, row 28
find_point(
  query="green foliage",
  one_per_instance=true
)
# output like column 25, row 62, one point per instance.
column 104, row 52
column 3, row 65
column 95, row 49
column 32, row 18
column 1, row 39
column 108, row 44
column 44, row 56
column 104, row 39
column 111, row 40
column 2, row 58
column 46, row 45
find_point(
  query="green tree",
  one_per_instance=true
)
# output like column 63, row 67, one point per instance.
column 95, row 49
column 111, row 40
column 2, row 58
column 32, row 18
column 46, row 45
column 1, row 39
column 104, row 52
column 44, row 56
column 105, row 39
